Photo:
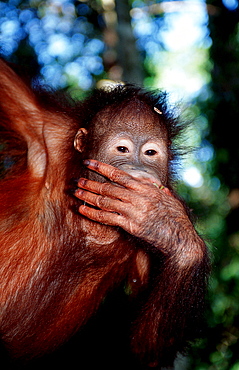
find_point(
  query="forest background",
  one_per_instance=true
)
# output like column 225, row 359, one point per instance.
column 188, row 48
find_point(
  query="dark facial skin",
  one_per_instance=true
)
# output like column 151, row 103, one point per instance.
column 132, row 140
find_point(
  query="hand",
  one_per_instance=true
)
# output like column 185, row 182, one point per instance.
column 138, row 206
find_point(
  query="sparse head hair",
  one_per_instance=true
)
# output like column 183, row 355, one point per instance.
column 122, row 95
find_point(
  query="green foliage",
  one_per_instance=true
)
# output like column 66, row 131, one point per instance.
column 219, row 206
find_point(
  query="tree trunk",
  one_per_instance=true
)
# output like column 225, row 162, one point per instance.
column 224, row 105
column 129, row 57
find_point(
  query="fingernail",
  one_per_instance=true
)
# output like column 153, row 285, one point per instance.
column 82, row 181
column 86, row 162
column 78, row 192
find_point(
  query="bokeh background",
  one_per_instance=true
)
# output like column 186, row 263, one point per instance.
column 191, row 50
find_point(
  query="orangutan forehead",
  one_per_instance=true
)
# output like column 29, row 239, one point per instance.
column 134, row 115
column 133, row 109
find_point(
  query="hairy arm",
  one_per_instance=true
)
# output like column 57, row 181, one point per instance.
column 151, row 213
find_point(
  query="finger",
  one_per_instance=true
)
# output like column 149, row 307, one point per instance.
column 104, row 217
column 124, row 179
column 114, row 174
column 102, row 202
column 106, row 188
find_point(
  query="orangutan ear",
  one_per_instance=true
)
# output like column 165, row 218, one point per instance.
column 79, row 139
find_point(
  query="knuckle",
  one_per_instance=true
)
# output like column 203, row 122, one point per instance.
column 141, row 219
column 105, row 188
column 146, row 208
column 116, row 177
column 115, row 172
column 101, row 201
column 121, row 177
column 136, row 229
column 156, row 194
column 100, row 216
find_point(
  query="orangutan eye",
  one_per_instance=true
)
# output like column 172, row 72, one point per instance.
column 122, row 149
column 150, row 152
